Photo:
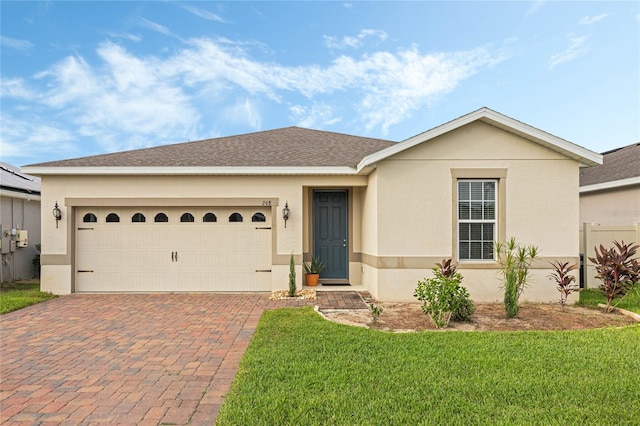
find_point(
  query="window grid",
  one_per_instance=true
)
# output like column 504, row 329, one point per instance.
column 477, row 207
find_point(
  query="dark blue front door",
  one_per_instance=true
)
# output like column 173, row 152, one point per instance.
column 330, row 233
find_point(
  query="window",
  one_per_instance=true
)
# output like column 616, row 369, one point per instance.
column 138, row 217
column 113, row 218
column 235, row 217
column 161, row 217
column 476, row 219
column 89, row 218
column 187, row 217
column 258, row 217
column 209, row 217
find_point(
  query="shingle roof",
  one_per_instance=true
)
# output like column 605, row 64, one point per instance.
column 286, row 147
column 13, row 180
column 620, row 163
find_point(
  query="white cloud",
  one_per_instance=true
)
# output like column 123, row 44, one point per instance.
column 203, row 13
column 14, row 43
column 313, row 116
column 125, row 36
column 535, row 6
column 353, row 42
column 244, row 112
column 15, row 88
column 588, row 20
column 153, row 26
column 29, row 138
column 575, row 49
column 128, row 101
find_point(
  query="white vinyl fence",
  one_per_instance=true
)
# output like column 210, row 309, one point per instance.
column 591, row 236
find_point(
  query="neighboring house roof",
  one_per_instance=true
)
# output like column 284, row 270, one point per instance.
column 15, row 183
column 291, row 150
column 621, row 167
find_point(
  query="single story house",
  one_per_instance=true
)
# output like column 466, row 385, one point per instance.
column 210, row 215
column 19, row 222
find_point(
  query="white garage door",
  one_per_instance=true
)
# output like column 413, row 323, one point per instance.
column 173, row 249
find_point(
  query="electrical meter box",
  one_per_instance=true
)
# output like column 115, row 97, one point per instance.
column 22, row 239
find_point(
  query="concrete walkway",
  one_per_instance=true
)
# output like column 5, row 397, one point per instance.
column 139, row 359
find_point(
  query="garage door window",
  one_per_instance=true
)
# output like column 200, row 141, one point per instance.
column 235, row 217
column 89, row 218
column 113, row 218
column 138, row 217
column 161, row 217
column 209, row 217
column 258, row 217
column 187, row 217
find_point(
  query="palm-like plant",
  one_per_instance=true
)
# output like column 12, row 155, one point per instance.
column 515, row 261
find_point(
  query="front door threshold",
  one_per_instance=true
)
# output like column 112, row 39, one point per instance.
column 321, row 288
column 329, row 281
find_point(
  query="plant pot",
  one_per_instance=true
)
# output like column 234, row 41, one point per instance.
column 312, row 279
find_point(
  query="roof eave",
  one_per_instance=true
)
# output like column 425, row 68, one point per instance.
column 584, row 156
column 229, row 170
column 615, row 184
column 29, row 196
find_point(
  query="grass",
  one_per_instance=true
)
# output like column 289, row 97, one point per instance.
column 19, row 294
column 591, row 298
column 303, row 370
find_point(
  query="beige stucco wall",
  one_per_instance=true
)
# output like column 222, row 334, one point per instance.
column 619, row 206
column 414, row 198
column 58, row 242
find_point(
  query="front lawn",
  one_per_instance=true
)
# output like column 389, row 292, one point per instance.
column 591, row 297
column 19, row 294
column 303, row 370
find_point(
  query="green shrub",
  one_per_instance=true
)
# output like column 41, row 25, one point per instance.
column 515, row 260
column 444, row 298
column 463, row 306
column 375, row 310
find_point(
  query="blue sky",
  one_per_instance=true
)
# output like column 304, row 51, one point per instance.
column 84, row 78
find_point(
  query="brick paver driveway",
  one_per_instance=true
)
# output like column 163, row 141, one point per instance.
column 126, row 358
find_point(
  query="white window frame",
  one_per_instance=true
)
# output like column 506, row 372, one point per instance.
column 493, row 221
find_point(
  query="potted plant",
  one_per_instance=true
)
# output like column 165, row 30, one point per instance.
column 312, row 271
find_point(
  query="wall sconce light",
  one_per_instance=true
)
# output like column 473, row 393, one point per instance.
column 57, row 214
column 285, row 213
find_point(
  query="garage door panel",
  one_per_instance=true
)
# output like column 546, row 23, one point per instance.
column 139, row 257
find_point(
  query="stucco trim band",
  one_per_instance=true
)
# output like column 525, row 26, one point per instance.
column 55, row 259
column 171, row 202
column 428, row 262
